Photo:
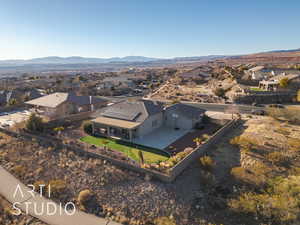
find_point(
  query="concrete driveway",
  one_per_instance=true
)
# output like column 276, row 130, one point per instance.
column 8, row 119
column 161, row 137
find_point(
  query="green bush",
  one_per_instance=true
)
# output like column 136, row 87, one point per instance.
column 88, row 127
column 35, row 123
column 220, row 92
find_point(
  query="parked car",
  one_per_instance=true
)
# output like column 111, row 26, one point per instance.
column 278, row 106
column 259, row 112
column 257, row 105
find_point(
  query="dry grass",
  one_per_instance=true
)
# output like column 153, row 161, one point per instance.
column 207, row 163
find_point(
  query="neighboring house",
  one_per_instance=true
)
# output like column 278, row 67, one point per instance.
column 274, row 83
column 128, row 120
column 259, row 73
column 61, row 104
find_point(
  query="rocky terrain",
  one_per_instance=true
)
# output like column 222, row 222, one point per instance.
column 7, row 217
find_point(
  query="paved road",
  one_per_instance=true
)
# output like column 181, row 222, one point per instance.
column 7, row 189
column 243, row 109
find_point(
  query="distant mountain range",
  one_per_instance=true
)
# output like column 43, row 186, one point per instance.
column 126, row 59
column 77, row 64
column 75, row 60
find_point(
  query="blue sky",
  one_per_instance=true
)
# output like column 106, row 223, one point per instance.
column 154, row 28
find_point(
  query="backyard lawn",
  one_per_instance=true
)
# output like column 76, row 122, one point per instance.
column 148, row 153
column 256, row 89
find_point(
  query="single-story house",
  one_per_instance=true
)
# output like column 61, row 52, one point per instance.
column 135, row 119
column 61, row 104
column 274, row 83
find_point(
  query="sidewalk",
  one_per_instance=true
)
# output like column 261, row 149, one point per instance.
column 8, row 186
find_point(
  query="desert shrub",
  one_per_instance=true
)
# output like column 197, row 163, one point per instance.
column 164, row 221
column 35, row 123
column 57, row 187
column 278, row 203
column 37, row 186
column 283, row 131
column 276, row 157
column 284, row 82
column 220, row 92
column 84, row 197
column 238, row 172
column 294, row 144
column 235, row 141
column 88, row 127
column 197, row 141
column 245, row 143
column 175, row 101
column 207, row 162
column 19, row 170
column 58, row 129
column 289, row 115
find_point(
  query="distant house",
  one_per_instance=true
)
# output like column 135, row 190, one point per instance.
column 274, row 83
column 61, row 104
column 259, row 73
column 128, row 120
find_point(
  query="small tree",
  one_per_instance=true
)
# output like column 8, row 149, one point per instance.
column 220, row 92
column 141, row 156
column 105, row 143
column 88, row 128
column 12, row 101
column 35, row 123
column 284, row 82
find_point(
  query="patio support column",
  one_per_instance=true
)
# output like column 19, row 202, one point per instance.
column 93, row 128
column 108, row 131
column 130, row 135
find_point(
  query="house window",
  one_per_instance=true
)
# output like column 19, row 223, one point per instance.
column 154, row 123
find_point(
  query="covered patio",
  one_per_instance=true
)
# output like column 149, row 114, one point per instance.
column 114, row 128
column 161, row 137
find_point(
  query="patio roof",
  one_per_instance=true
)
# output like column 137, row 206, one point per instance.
column 116, row 122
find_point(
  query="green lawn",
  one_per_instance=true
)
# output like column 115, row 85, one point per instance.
column 256, row 89
column 149, row 153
